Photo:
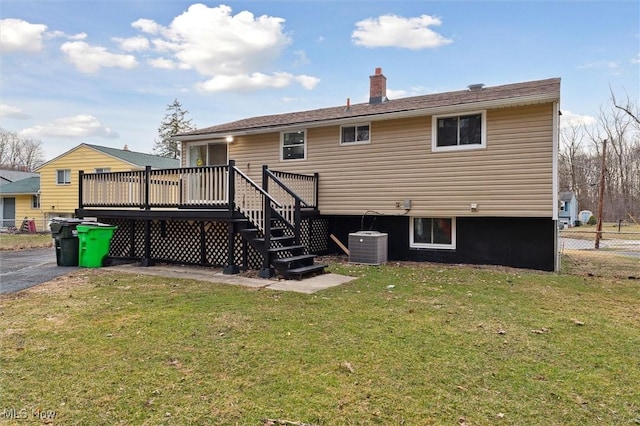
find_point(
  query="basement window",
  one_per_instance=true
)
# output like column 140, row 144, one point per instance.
column 354, row 134
column 294, row 146
column 459, row 132
column 433, row 232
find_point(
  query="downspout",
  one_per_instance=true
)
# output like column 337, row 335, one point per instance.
column 554, row 185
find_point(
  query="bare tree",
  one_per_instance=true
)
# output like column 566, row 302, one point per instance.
column 571, row 160
column 619, row 127
column 628, row 107
column 18, row 153
column 32, row 154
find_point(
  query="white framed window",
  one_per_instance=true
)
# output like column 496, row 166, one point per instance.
column 355, row 134
column 293, row 145
column 432, row 232
column 35, row 201
column 103, row 170
column 63, row 177
column 459, row 131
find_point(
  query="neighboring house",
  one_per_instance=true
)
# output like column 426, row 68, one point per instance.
column 459, row 177
column 568, row 213
column 16, row 198
column 59, row 177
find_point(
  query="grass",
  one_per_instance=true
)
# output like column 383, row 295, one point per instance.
column 409, row 344
column 609, row 231
column 25, row 241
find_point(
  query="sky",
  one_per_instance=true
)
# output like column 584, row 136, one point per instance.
column 103, row 72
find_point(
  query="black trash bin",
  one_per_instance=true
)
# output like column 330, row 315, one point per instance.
column 63, row 231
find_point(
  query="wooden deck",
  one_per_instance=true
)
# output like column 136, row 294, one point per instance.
column 271, row 222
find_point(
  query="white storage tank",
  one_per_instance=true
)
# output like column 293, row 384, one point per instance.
column 368, row 247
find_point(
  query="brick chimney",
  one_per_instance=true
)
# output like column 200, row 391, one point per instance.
column 378, row 87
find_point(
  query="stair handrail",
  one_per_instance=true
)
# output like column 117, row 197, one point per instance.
column 256, row 186
column 309, row 186
column 288, row 190
column 295, row 222
column 257, row 218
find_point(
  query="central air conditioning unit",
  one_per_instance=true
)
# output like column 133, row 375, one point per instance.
column 368, row 247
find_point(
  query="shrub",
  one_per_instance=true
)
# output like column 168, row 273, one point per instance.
column 592, row 220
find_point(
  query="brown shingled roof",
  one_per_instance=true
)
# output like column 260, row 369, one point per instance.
column 541, row 90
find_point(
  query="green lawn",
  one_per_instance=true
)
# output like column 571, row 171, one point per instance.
column 25, row 241
column 411, row 344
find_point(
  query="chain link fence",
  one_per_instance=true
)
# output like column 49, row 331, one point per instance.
column 617, row 243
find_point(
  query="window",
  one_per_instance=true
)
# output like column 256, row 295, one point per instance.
column 294, row 145
column 63, row 177
column 350, row 135
column 35, row 202
column 436, row 232
column 459, row 132
column 103, row 170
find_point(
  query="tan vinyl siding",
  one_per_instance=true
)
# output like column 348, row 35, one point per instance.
column 56, row 199
column 513, row 176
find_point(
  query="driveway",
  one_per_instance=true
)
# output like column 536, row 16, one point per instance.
column 20, row 269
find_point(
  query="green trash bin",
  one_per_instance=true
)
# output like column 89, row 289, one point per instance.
column 95, row 241
column 63, row 231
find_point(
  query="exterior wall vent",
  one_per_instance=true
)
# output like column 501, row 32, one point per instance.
column 368, row 247
column 475, row 87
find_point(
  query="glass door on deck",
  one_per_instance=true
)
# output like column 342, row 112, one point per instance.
column 208, row 185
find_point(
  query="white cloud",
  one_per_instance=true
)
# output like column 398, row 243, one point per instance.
column 569, row 119
column 18, row 35
column 61, row 34
column 162, row 63
column 89, row 59
column 397, row 31
column 254, row 81
column 76, row 127
column 147, row 26
column 301, row 58
column 307, row 81
column 10, row 111
column 636, row 59
column 213, row 41
column 396, row 94
column 230, row 50
column 132, row 44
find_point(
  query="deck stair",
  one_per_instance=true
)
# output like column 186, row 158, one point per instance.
column 285, row 257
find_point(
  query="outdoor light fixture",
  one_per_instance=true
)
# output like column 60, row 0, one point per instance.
column 229, row 139
column 474, row 207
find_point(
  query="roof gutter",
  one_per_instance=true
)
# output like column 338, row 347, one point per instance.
column 446, row 109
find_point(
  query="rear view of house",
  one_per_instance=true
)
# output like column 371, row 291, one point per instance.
column 460, row 177
column 466, row 176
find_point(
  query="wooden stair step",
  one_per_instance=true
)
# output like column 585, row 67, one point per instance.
column 292, row 259
column 304, row 270
column 286, row 248
column 256, row 230
column 283, row 238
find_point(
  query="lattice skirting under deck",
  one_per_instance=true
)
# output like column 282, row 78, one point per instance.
column 200, row 242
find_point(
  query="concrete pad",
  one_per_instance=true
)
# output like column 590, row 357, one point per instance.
column 213, row 275
column 312, row 284
column 193, row 273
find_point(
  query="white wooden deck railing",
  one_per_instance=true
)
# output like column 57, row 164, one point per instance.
column 201, row 187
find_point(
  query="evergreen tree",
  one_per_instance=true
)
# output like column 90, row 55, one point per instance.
column 174, row 122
